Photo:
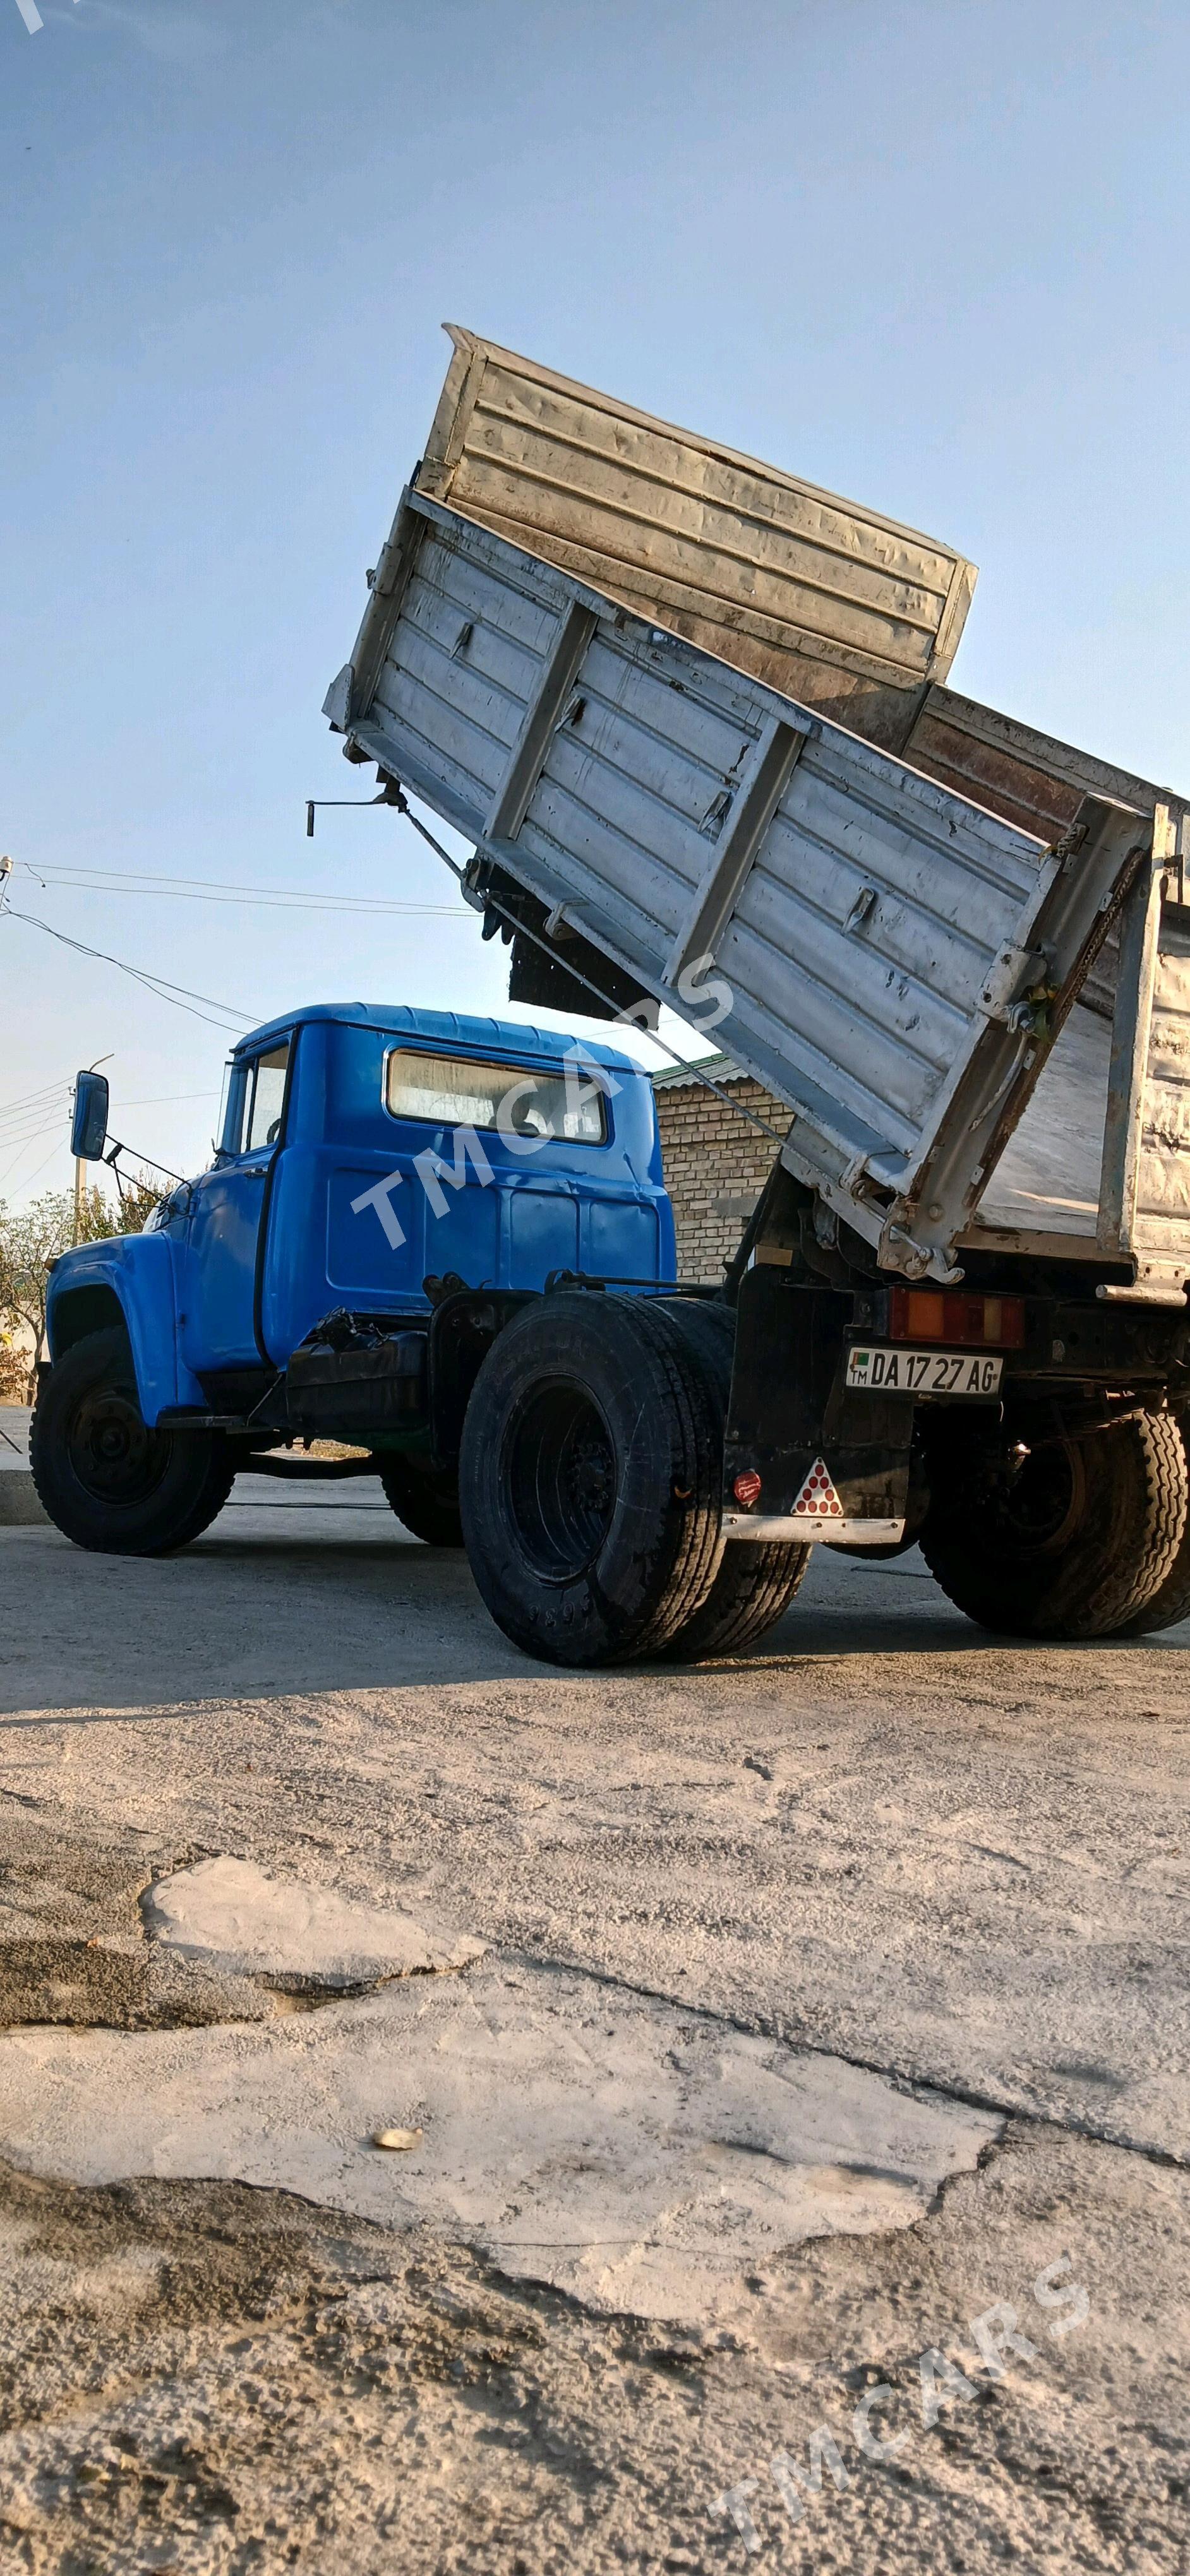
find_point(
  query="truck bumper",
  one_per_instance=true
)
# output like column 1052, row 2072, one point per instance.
column 798, row 1528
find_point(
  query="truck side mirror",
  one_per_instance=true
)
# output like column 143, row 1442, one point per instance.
column 88, row 1127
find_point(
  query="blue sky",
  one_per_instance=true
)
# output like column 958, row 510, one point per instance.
column 931, row 256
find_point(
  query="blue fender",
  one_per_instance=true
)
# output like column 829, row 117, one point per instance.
column 135, row 1274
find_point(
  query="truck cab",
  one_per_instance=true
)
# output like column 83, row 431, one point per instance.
column 373, row 1160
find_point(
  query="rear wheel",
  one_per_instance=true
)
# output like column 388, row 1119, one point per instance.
column 587, row 1482
column 425, row 1504
column 1054, row 1536
column 1170, row 1603
column 755, row 1582
column 107, row 1480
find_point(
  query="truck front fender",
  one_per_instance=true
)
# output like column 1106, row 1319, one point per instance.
column 127, row 1279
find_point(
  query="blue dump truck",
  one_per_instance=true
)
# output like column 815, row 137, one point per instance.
column 691, row 717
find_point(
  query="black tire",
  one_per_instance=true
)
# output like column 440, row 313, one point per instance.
column 587, row 1481
column 753, row 1585
column 425, row 1504
column 105, row 1479
column 1170, row 1603
column 1073, row 1544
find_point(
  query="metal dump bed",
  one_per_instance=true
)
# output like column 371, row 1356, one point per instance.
column 834, row 605
column 895, row 959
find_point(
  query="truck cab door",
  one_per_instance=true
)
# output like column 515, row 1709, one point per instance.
column 228, row 1209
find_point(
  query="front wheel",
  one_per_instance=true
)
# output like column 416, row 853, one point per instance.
column 1054, row 1536
column 106, row 1480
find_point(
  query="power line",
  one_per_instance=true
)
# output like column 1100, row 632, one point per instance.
column 30, row 1099
column 234, row 1022
column 159, row 1099
column 23, row 1149
column 210, row 890
column 14, row 1137
column 35, row 1176
column 27, row 1120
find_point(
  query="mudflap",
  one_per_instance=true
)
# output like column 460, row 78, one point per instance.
column 828, row 1457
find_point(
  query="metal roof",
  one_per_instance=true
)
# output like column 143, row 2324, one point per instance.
column 444, row 1028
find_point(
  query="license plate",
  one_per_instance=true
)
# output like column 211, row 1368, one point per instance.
column 879, row 1370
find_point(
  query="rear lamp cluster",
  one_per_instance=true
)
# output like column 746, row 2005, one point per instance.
column 948, row 1315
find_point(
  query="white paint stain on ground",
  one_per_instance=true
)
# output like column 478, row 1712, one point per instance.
column 226, row 1916
column 640, row 2157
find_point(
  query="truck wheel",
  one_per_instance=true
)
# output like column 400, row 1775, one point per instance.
column 424, row 1504
column 754, row 1585
column 751, row 1591
column 587, row 1480
column 105, row 1479
column 1070, row 1541
column 1170, row 1603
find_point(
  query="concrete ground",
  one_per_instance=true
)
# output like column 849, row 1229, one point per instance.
column 18, row 1501
column 772, row 2022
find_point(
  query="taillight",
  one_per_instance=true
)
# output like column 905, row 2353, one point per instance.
column 948, row 1315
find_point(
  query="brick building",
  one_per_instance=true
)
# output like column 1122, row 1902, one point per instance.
column 715, row 1163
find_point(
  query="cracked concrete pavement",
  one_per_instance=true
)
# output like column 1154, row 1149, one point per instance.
column 887, row 1847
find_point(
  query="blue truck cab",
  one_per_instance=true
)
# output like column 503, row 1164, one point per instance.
column 375, row 1163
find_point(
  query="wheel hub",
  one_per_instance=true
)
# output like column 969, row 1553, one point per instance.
column 561, row 1479
column 1037, row 1499
column 112, row 1453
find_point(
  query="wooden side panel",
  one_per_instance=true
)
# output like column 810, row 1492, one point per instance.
column 831, row 604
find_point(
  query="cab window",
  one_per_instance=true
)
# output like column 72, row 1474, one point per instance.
column 449, row 1092
column 265, row 1098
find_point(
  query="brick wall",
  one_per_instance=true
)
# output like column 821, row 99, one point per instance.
column 715, row 1163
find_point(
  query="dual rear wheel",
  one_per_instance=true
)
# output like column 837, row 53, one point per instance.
column 1039, row 1534
column 590, row 1482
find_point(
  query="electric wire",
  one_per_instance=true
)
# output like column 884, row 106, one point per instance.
column 210, row 890
column 234, row 1022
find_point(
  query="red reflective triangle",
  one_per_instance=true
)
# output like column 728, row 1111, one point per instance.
column 818, row 1500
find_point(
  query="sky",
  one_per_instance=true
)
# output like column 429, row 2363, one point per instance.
column 931, row 256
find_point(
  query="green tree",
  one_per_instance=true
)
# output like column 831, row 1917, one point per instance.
column 31, row 1239
column 140, row 1198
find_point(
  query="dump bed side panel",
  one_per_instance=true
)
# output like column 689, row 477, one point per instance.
column 827, row 602
column 868, row 927
column 1030, row 778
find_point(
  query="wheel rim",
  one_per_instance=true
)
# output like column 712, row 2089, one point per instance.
column 115, row 1459
column 560, row 1473
column 1036, row 1510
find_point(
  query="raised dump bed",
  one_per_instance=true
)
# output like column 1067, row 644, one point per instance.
column 829, row 602
column 897, row 962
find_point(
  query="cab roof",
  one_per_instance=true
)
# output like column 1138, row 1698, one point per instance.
column 442, row 1028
